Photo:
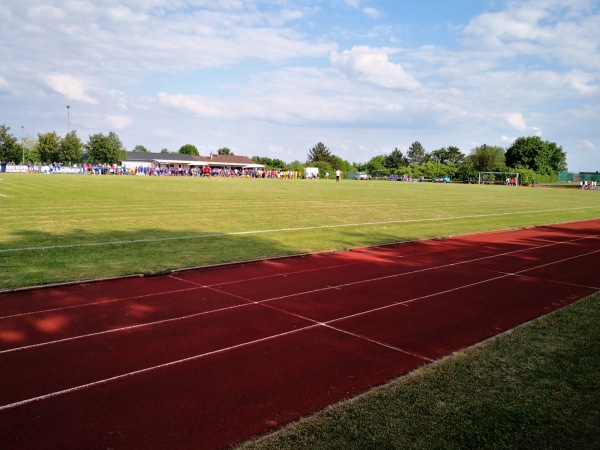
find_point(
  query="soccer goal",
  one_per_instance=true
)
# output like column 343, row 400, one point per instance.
column 506, row 178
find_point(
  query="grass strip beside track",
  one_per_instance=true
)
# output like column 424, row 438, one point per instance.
column 57, row 228
column 537, row 387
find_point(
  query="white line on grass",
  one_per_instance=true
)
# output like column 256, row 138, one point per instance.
column 279, row 230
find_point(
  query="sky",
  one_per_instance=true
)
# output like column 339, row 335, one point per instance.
column 275, row 77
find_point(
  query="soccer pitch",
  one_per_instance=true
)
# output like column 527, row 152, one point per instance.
column 60, row 228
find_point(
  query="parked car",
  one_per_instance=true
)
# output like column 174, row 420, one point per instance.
column 361, row 176
column 440, row 180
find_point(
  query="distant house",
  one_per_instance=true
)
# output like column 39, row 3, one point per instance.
column 147, row 159
column 162, row 160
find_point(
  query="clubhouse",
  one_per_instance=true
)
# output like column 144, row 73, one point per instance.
column 188, row 162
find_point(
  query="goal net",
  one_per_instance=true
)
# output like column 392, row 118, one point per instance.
column 506, row 178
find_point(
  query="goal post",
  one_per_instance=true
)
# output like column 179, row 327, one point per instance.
column 506, row 178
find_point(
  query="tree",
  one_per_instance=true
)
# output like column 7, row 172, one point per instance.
column 433, row 169
column 319, row 153
column 105, row 149
column 439, row 156
column 324, row 167
column 466, row 172
column 395, row 160
column 26, row 148
column 70, row 148
column 224, row 151
column 450, row 155
column 339, row 163
column 165, row 150
column 268, row 162
column 277, row 163
column 189, row 149
column 9, row 150
column 140, row 148
column 48, row 147
column 416, row 154
column 487, row 158
column 295, row 165
column 454, row 155
column 541, row 156
column 376, row 165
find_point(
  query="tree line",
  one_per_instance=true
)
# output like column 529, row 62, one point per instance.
column 70, row 149
column 531, row 156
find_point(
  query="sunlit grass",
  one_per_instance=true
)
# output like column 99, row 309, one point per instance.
column 49, row 221
column 534, row 388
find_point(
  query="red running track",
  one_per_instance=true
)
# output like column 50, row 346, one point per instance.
column 211, row 357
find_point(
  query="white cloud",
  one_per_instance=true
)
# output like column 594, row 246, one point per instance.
column 45, row 13
column 372, row 12
column 353, row 3
column 547, row 30
column 4, row 86
column 373, row 66
column 69, row 86
column 193, row 104
column 588, row 145
column 119, row 122
column 517, row 121
column 5, row 13
column 278, row 76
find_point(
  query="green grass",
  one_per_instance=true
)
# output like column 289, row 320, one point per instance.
column 57, row 228
column 535, row 388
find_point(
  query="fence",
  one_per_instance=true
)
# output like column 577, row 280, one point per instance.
column 566, row 177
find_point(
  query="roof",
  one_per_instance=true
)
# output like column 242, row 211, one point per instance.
column 177, row 158
column 148, row 157
column 227, row 160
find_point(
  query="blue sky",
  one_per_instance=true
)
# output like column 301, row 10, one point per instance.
column 273, row 78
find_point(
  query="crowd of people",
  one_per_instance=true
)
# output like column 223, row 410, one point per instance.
column 114, row 169
column 585, row 184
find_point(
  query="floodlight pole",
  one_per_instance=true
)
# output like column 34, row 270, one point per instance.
column 68, row 119
column 23, row 145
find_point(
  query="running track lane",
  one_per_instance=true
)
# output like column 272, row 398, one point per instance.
column 208, row 358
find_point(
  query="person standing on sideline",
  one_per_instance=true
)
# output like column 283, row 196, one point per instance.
column 337, row 175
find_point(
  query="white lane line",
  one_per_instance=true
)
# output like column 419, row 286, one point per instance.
column 151, row 369
column 267, row 338
column 279, row 274
column 329, row 326
column 119, row 330
column 354, row 283
column 102, row 302
column 279, row 230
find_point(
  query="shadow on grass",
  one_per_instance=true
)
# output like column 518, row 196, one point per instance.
column 35, row 259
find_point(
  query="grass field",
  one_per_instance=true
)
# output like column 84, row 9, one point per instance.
column 57, row 228
column 537, row 387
